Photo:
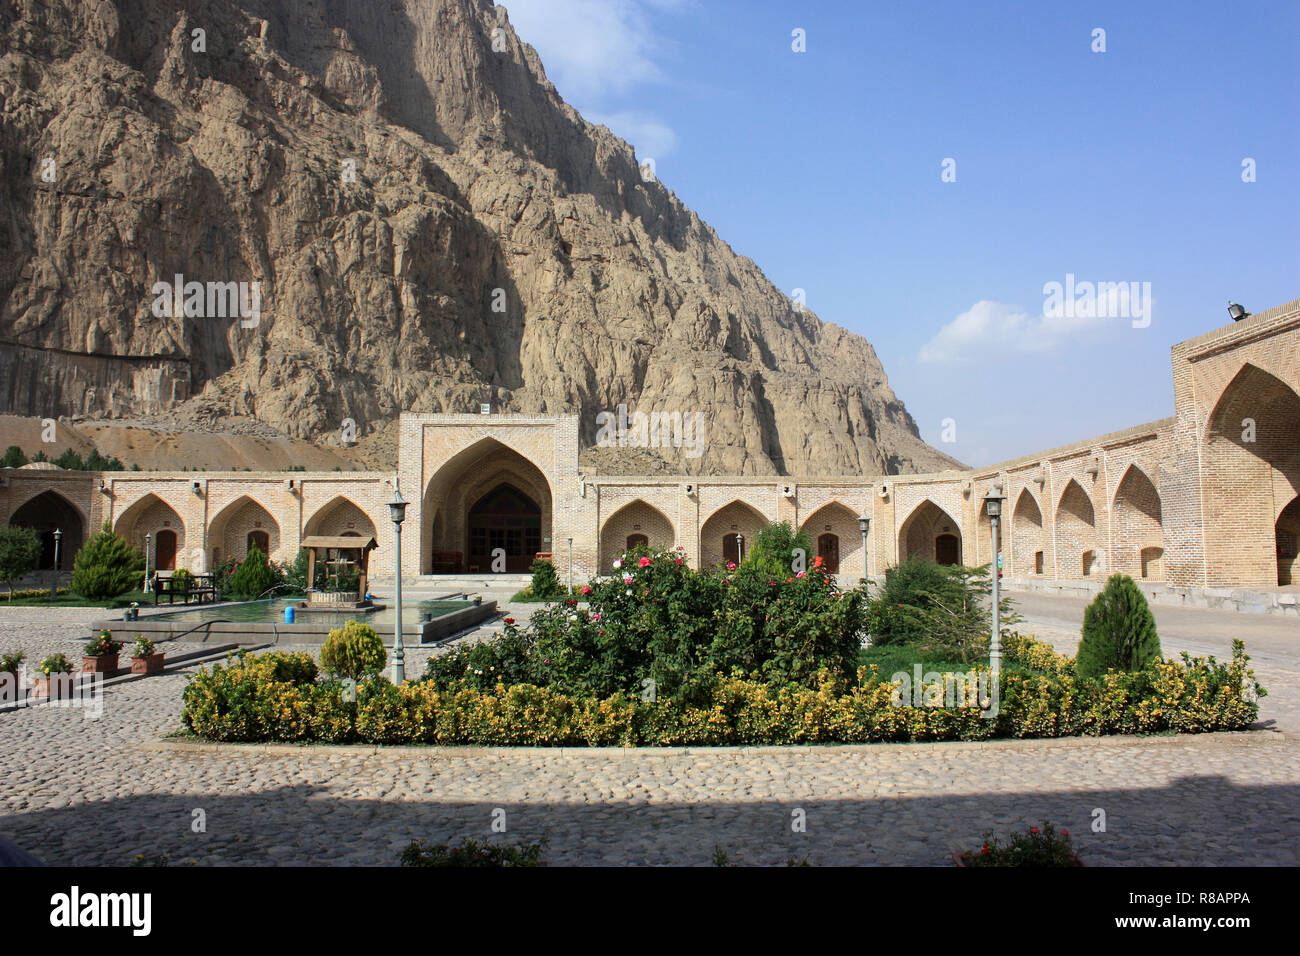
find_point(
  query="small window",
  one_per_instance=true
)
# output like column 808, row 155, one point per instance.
column 1038, row 562
column 637, row 541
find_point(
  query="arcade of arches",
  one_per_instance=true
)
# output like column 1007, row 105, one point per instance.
column 1207, row 498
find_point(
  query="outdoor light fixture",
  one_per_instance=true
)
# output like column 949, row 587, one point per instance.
column 1236, row 312
column 397, row 511
column 148, row 542
column 993, row 508
column 864, row 525
column 198, row 488
column 884, row 491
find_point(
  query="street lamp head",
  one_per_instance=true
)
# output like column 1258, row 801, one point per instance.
column 864, row 524
column 58, row 533
column 1236, row 312
column 397, row 507
column 993, row 502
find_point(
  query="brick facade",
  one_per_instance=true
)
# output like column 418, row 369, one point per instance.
column 1205, row 498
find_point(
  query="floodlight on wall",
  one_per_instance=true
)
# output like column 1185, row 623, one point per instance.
column 198, row 488
column 884, row 491
column 485, row 409
column 788, row 491
column 690, row 489
column 103, row 487
column 1236, row 312
column 291, row 485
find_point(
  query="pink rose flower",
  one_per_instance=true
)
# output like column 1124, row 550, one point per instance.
column 645, row 562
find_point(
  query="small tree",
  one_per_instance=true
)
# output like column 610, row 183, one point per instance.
column 20, row 552
column 774, row 548
column 354, row 651
column 254, row 576
column 546, row 583
column 106, row 567
column 1119, row 631
column 13, row 458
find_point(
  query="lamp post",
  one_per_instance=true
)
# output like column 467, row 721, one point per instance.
column 864, row 525
column 54, row 588
column 993, row 508
column 148, row 541
column 397, row 510
column 570, row 564
column 740, row 548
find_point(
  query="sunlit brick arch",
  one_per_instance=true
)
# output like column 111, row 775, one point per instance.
column 835, row 537
column 1251, row 459
column 1077, row 551
column 154, row 516
column 47, row 512
column 717, row 535
column 931, row 533
column 1030, row 554
column 631, row 523
column 242, row 521
column 340, row 516
column 1137, row 530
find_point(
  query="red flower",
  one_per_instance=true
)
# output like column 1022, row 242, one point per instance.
column 1033, row 829
column 510, row 620
column 644, row 562
column 817, row 561
column 1065, row 833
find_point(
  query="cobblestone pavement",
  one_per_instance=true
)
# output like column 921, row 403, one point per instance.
column 100, row 791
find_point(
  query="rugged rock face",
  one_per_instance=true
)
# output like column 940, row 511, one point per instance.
column 430, row 225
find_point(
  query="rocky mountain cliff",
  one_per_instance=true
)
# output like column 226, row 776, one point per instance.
column 429, row 227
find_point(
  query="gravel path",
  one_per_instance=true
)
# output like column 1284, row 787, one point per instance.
column 101, row 791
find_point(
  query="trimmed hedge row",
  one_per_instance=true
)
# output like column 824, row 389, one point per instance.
column 277, row 697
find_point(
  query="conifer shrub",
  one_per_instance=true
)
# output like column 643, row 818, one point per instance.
column 353, row 651
column 1119, row 631
column 106, row 567
column 252, row 578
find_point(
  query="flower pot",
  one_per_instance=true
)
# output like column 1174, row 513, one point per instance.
column 147, row 665
column 103, row 664
column 55, row 686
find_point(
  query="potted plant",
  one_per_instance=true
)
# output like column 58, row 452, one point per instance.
column 56, row 672
column 100, row 655
column 143, row 658
column 10, row 664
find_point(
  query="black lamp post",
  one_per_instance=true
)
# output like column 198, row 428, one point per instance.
column 397, row 511
column 993, row 508
column 864, row 525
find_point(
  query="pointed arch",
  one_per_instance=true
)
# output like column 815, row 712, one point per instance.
column 1029, row 551
column 1249, row 443
column 1077, row 553
column 462, row 482
column 836, row 539
column 718, row 533
column 46, row 513
column 1287, row 536
column 930, row 533
column 1137, row 530
column 245, row 520
column 637, row 517
column 340, row 516
column 156, row 517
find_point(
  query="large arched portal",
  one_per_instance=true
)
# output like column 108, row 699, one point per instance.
column 1287, row 534
column 241, row 525
column 836, row 539
column 930, row 533
column 1251, row 472
column 49, row 512
column 487, row 496
column 730, row 533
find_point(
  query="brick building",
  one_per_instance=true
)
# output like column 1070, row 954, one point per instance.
column 1207, row 498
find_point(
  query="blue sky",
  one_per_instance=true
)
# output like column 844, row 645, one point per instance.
column 824, row 167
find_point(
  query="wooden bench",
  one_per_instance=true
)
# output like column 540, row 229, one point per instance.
column 446, row 562
column 200, row 586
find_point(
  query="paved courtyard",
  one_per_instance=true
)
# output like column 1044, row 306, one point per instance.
column 101, row 791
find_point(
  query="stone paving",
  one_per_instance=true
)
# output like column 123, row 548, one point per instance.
column 100, row 791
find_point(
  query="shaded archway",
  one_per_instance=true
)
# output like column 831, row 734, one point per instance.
column 636, row 521
column 718, row 535
column 1137, row 532
column 464, row 481
column 49, row 512
column 1028, row 537
column 242, row 521
column 836, row 538
column 1250, row 458
column 1077, row 554
column 1287, row 535
column 504, row 520
column 340, row 516
column 920, row 533
column 153, row 516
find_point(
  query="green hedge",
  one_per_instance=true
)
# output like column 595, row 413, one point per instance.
column 278, row 697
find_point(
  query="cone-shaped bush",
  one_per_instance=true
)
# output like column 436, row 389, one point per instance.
column 252, row 578
column 1119, row 630
column 106, row 567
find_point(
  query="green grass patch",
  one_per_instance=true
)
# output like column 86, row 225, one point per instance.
column 65, row 598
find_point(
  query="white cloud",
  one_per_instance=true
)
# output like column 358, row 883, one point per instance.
column 597, row 52
column 993, row 328
column 651, row 137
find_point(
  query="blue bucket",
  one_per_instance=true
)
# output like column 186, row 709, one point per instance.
column 289, row 614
